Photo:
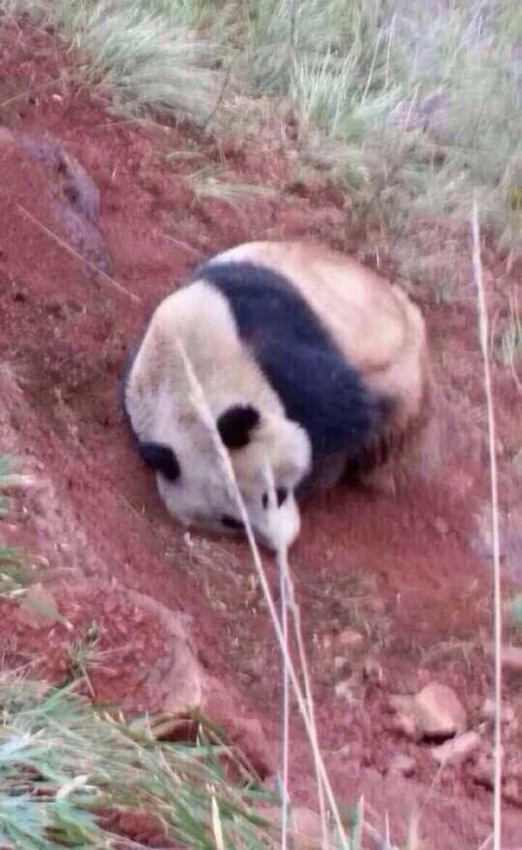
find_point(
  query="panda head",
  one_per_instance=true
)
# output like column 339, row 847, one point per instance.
column 194, row 488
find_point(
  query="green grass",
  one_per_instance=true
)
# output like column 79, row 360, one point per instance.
column 12, row 572
column 411, row 106
column 63, row 765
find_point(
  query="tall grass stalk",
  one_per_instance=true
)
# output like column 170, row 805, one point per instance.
column 200, row 404
column 484, row 336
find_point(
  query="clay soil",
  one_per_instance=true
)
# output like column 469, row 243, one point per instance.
column 411, row 572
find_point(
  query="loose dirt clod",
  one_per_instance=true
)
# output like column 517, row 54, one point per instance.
column 402, row 765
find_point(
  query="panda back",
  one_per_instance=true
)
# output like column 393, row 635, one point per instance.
column 318, row 388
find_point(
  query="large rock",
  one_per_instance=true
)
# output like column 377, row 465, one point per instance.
column 136, row 654
column 435, row 712
column 457, row 749
column 42, row 180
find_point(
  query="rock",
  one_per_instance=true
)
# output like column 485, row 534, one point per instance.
column 350, row 639
column 514, row 768
column 305, row 826
column 372, row 671
column 405, row 723
column 512, row 792
column 483, row 771
column 434, row 712
column 341, row 664
column 487, row 712
column 512, row 658
column 74, row 195
column 184, row 683
column 441, row 526
column 439, row 711
column 517, row 464
column 343, row 690
column 458, row 749
column 402, row 765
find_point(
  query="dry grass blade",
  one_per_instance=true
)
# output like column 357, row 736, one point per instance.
column 484, row 331
column 201, row 406
column 296, row 617
column 78, row 256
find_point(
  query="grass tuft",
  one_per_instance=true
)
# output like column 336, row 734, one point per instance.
column 12, row 572
column 413, row 107
column 65, row 768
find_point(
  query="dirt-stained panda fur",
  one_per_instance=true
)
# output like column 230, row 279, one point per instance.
column 309, row 362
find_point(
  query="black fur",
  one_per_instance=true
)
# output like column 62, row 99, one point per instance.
column 235, row 425
column 161, row 458
column 318, row 389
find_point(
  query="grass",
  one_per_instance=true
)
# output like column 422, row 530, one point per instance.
column 495, row 524
column 12, row 572
column 65, row 766
column 511, row 342
column 411, row 106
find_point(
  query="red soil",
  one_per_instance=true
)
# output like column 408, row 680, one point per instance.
column 402, row 569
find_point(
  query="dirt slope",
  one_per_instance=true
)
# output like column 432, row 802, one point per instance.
column 410, row 573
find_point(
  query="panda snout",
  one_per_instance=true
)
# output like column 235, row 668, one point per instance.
column 232, row 523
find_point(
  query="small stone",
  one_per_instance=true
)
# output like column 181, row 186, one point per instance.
column 340, row 663
column 483, row 771
column 343, row 690
column 439, row 711
column 441, row 526
column 512, row 792
column 434, row 712
column 514, row 769
column 517, row 463
column 405, row 721
column 488, row 711
column 511, row 657
column 327, row 643
column 372, row 671
column 402, row 765
column 305, row 826
column 350, row 639
column 458, row 749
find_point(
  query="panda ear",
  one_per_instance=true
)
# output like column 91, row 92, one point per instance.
column 161, row 458
column 235, row 425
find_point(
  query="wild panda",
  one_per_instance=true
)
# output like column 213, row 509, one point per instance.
column 308, row 361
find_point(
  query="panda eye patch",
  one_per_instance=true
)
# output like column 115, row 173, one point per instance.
column 281, row 496
column 161, row 458
column 231, row 522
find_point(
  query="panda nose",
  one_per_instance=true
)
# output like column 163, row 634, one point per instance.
column 230, row 522
column 281, row 496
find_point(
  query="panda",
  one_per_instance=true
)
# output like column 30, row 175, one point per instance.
column 309, row 362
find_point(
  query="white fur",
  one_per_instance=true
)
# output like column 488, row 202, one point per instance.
column 157, row 399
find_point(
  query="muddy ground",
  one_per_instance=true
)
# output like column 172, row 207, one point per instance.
column 411, row 573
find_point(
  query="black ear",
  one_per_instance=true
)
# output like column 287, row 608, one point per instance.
column 235, row 425
column 161, row 458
